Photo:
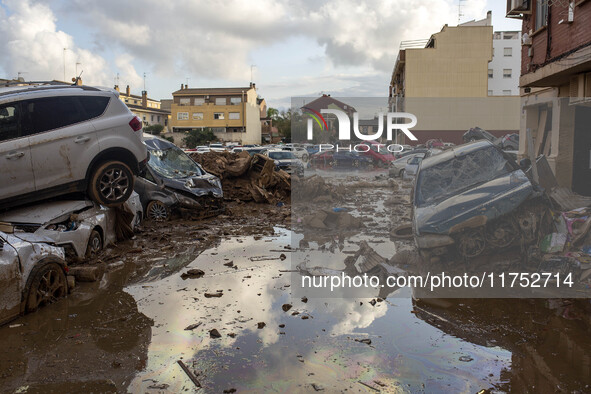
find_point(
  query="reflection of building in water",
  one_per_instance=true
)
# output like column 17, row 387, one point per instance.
column 550, row 340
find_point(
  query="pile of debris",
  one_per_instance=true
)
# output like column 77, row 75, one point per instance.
column 245, row 177
column 315, row 189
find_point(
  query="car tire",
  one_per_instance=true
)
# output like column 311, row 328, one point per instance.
column 305, row 158
column 402, row 232
column 111, row 184
column 47, row 285
column 158, row 211
column 95, row 244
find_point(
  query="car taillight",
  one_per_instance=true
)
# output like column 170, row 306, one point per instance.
column 135, row 123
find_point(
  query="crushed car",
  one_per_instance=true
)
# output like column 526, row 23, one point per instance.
column 81, row 227
column 174, row 182
column 475, row 197
column 32, row 273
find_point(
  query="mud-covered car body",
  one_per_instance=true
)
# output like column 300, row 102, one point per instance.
column 70, row 224
column 175, row 180
column 465, row 192
column 19, row 257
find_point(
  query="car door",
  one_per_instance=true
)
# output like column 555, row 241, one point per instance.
column 10, row 280
column 62, row 140
column 16, row 170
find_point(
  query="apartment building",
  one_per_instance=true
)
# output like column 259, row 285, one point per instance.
column 233, row 114
column 148, row 110
column 555, row 84
column 505, row 66
column 444, row 82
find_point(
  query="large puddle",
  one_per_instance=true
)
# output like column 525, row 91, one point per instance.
column 112, row 336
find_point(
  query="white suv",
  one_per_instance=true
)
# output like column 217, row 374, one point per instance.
column 59, row 139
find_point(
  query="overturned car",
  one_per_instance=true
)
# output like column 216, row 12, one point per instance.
column 173, row 182
column 475, row 197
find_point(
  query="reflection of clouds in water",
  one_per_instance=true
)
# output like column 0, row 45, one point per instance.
column 347, row 312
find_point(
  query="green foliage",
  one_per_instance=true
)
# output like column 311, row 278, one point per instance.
column 170, row 139
column 154, row 129
column 197, row 137
column 281, row 120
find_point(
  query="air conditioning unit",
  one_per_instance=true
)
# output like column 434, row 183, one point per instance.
column 515, row 8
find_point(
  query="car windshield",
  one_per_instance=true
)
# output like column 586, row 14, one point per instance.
column 443, row 180
column 283, row 155
column 173, row 163
column 415, row 160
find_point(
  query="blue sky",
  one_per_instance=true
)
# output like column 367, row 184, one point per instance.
column 298, row 48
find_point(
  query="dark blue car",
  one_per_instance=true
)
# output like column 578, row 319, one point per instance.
column 474, row 196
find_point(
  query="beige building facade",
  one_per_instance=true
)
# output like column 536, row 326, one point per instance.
column 233, row 114
column 444, row 82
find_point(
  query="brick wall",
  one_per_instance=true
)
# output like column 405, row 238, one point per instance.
column 564, row 37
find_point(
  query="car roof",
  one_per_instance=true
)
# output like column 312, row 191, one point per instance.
column 18, row 90
column 155, row 143
column 455, row 151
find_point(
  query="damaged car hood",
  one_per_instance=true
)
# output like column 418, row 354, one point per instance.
column 478, row 204
column 202, row 185
column 42, row 214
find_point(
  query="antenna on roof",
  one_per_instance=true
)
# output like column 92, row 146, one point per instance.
column 75, row 80
column 460, row 10
column 144, row 82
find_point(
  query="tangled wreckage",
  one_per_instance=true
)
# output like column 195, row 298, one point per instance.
column 475, row 197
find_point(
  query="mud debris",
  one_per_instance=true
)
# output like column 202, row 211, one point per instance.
column 214, row 333
column 193, row 273
column 286, row 307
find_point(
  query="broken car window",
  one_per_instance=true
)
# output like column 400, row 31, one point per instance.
column 443, row 180
column 173, row 163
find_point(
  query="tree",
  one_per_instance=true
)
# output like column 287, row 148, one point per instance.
column 283, row 124
column 154, row 129
column 273, row 113
column 197, row 137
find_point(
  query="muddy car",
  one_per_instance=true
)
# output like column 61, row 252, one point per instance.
column 32, row 274
column 174, row 182
column 475, row 197
column 81, row 227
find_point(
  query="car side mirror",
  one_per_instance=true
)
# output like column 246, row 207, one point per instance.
column 525, row 163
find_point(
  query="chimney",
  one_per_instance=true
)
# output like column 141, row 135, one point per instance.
column 127, row 91
column 117, row 87
column 489, row 18
column 181, row 86
column 144, row 99
column 186, row 86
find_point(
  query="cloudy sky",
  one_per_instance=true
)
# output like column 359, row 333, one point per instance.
column 295, row 48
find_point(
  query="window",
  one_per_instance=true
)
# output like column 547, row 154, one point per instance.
column 94, row 106
column 218, row 115
column 8, row 121
column 197, row 115
column 185, row 101
column 541, row 14
column 135, row 101
column 506, row 73
column 158, row 118
column 234, row 115
column 490, row 73
column 507, row 52
column 506, row 93
column 235, row 100
column 199, row 100
column 220, row 101
column 144, row 118
column 52, row 113
column 490, row 92
column 182, row 116
column 218, row 129
column 151, row 118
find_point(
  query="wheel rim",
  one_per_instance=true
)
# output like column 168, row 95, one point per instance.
column 502, row 234
column 472, row 243
column 157, row 211
column 51, row 288
column 95, row 244
column 113, row 184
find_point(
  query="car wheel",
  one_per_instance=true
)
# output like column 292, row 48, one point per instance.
column 305, row 158
column 48, row 284
column 111, row 184
column 157, row 210
column 95, row 244
column 402, row 232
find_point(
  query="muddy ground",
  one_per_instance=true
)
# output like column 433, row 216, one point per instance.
column 240, row 326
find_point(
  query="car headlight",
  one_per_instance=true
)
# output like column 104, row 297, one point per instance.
column 186, row 201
